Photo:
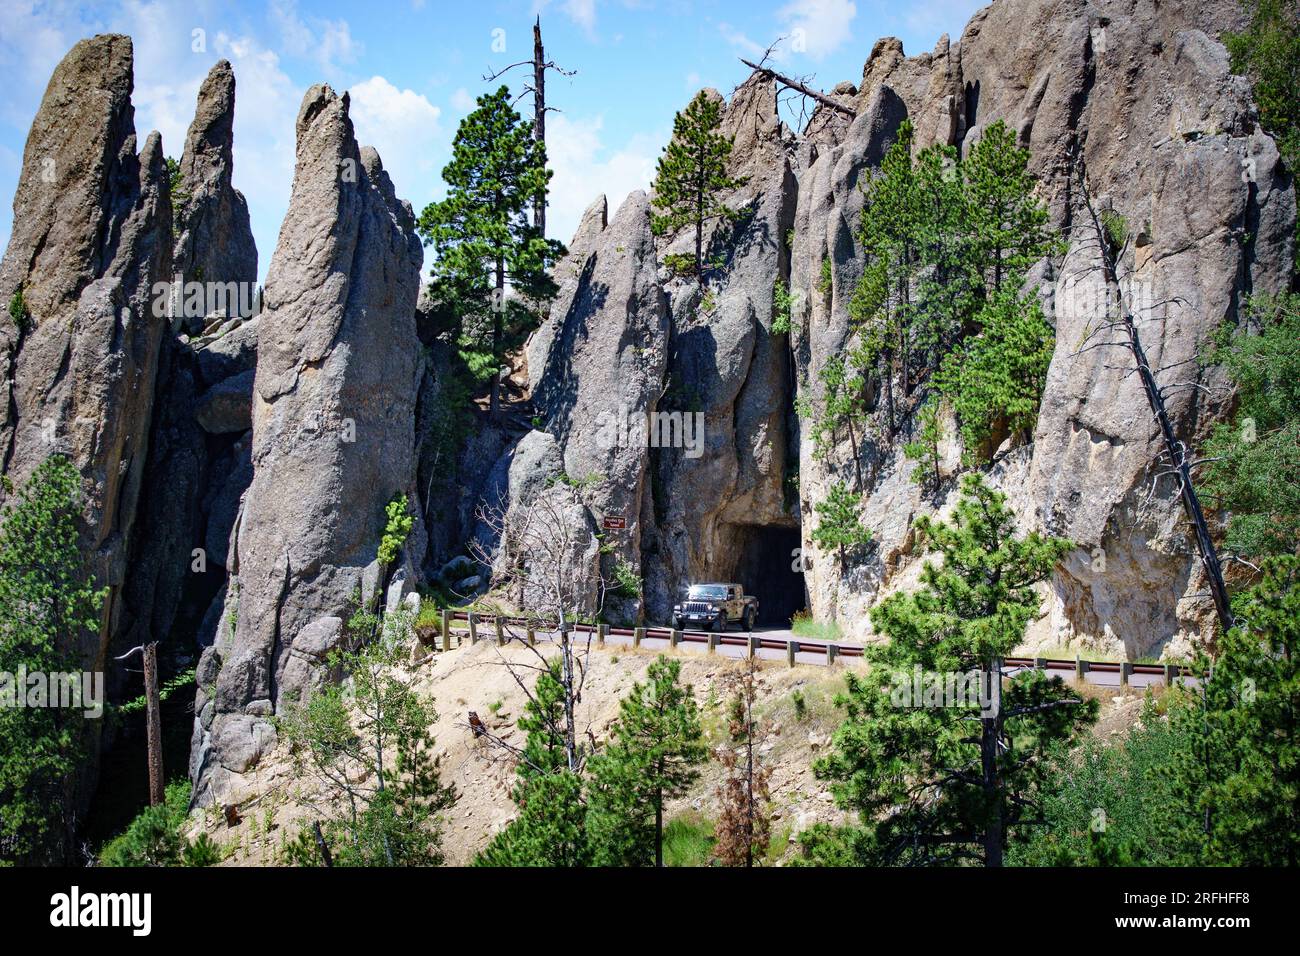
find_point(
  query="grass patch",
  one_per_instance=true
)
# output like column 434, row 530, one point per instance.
column 803, row 625
column 688, row 840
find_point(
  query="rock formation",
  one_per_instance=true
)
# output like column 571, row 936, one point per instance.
column 79, row 345
column 199, row 456
column 91, row 236
column 1170, row 143
column 333, row 414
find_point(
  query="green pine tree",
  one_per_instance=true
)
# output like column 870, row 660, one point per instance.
column 839, row 522
column 1239, row 776
column 481, row 235
column 692, row 173
column 925, row 448
column 47, row 607
column 655, row 749
column 1253, row 460
column 997, row 375
column 551, row 828
column 946, row 778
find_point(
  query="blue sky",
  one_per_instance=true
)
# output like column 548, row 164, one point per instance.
column 414, row 67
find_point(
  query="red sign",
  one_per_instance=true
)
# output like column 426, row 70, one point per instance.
column 614, row 523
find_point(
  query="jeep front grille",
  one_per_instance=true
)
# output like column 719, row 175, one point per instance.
column 697, row 607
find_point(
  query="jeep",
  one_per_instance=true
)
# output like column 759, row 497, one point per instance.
column 715, row 606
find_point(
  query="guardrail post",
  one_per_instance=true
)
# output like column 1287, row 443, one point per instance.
column 1169, row 675
column 791, row 649
column 473, row 627
column 602, row 631
column 713, row 643
column 532, row 636
column 1040, row 663
column 638, row 635
column 444, row 625
column 674, row 637
column 832, row 652
column 1080, row 667
column 751, row 646
column 501, row 636
column 1125, row 672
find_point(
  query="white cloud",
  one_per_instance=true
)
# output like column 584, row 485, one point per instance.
column 584, row 169
column 403, row 126
column 328, row 42
column 742, row 42
column 816, row 27
column 581, row 12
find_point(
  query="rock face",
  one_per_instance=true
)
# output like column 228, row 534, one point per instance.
column 1170, row 143
column 723, row 510
column 597, row 372
column 92, row 234
column 199, row 451
column 333, row 440
column 215, row 240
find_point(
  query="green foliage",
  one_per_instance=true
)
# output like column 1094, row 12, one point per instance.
column 1269, row 51
column 691, row 174
column 839, row 521
column 627, row 583
column 1254, row 459
column 1111, row 801
column 179, row 196
column 1240, row 775
column 1116, row 228
column 656, row 744
column 155, row 837
column 949, row 780
column 925, row 448
column 688, row 841
column 369, row 745
column 48, row 608
column 782, row 308
column 825, row 280
column 19, row 313
column 551, row 829
column 180, row 682
column 482, row 236
column 804, row 625
column 396, row 528
column 997, row 376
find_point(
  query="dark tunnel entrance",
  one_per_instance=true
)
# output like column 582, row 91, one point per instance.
column 765, row 558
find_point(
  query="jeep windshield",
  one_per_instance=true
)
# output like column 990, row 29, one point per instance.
column 707, row 592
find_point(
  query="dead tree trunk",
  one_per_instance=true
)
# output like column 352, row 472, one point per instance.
column 539, row 118
column 1180, row 460
column 799, row 87
column 153, row 724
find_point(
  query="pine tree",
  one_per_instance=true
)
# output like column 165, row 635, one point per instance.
column 1254, row 459
column 841, row 407
column 892, row 231
column 551, row 829
column 655, row 749
column 46, row 608
column 998, row 375
column 925, row 448
column 1007, row 227
column 480, row 233
column 839, row 521
column 942, row 774
column 1240, row 774
column 692, row 173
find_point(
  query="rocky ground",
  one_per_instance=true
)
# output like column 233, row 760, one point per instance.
column 476, row 678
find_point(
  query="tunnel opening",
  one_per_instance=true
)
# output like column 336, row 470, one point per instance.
column 766, row 565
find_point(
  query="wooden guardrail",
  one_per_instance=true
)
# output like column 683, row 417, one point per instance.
column 822, row 652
